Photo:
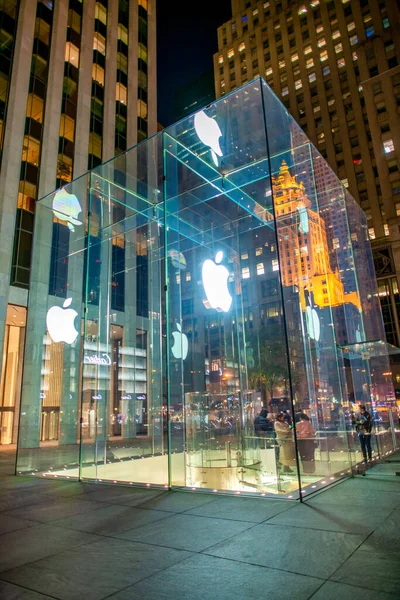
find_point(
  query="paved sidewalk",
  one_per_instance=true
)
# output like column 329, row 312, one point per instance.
column 71, row 540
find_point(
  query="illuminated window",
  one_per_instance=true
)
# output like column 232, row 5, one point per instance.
column 355, row 56
column 341, row 63
column 307, row 50
column 122, row 33
column 323, row 56
column 260, row 269
column 294, row 57
column 245, row 272
column 386, row 229
column 369, row 32
column 142, row 52
column 259, row 251
column 220, row 60
column 122, row 63
column 99, row 43
column 281, row 64
column 388, row 146
column 371, row 232
column 121, row 93
column 320, row 29
column 72, row 54
column 95, row 144
column 98, row 74
column 74, row 21
column 314, row 3
column 34, row 108
column 298, row 84
column 275, row 264
column 241, row 47
column 268, row 71
column 386, row 23
column 326, row 71
column 312, row 77
column 230, row 53
column 285, row 91
column 188, row 276
column 398, row 209
column 100, row 13
column 67, row 127
column 302, row 10
column 353, row 40
column 310, row 63
column 351, row 26
column 143, row 3
column 336, row 34
column 244, row 255
column 345, row 182
column 141, row 109
column 31, row 150
column 321, row 43
column 339, row 48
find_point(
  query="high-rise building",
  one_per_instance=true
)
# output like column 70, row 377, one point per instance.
column 336, row 67
column 77, row 87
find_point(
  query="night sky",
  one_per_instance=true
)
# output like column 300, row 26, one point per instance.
column 186, row 42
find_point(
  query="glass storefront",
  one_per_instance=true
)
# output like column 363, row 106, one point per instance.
column 11, row 373
column 192, row 309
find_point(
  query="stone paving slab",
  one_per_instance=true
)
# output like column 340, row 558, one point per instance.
column 70, row 540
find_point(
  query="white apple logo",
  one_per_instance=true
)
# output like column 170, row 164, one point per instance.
column 209, row 133
column 181, row 343
column 312, row 320
column 60, row 323
column 215, row 282
column 303, row 226
column 66, row 207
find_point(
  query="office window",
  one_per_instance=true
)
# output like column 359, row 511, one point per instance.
column 353, row 40
column 341, row 63
column 339, row 48
column 72, row 54
column 326, row 71
column 371, row 232
column 285, row 91
column 307, row 50
column 323, row 56
column 260, row 269
column 351, row 26
column 369, row 32
column 268, row 72
column 99, row 43
column 245, row 272
column 281, row 64
column 230, row 53
column 309, row 63
column 321, row 43
column 298, row 84
column 312, row 77
column 259, row 251
column 275, row 264
column 336, row 34
column 388, row 146
column 294, row 57
column 241, row 47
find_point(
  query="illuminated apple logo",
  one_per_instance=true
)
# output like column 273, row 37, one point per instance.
column 312, row 321
column 215, row 282
column 60, row 323
column 66, row 207
column 181, row 343
column 209, row 133
column 303, row 225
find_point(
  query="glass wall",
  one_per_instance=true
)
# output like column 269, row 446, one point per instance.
column 191, row 311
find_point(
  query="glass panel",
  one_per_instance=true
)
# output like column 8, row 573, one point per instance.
column 218, row 274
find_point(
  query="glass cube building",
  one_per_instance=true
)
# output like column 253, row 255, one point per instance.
column 189, row 290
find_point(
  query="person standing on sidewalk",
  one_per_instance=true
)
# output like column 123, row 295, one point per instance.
column 364, row 429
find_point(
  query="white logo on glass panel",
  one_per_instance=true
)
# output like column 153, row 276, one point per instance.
column 66, row 207
column 215, row 282
column 312, row 321
column 181, row 343
column 60, row 323
column 209, row 133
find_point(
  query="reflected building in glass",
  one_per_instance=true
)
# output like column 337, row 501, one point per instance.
column 207, row 316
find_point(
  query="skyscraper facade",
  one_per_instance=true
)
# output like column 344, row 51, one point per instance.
column 336, row 67
column 77, row 87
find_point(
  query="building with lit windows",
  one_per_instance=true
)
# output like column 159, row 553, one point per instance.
column 336, row 67
column 77, row 87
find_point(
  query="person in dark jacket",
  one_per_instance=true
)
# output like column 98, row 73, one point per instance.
column 364, row 429
column 262, row 422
